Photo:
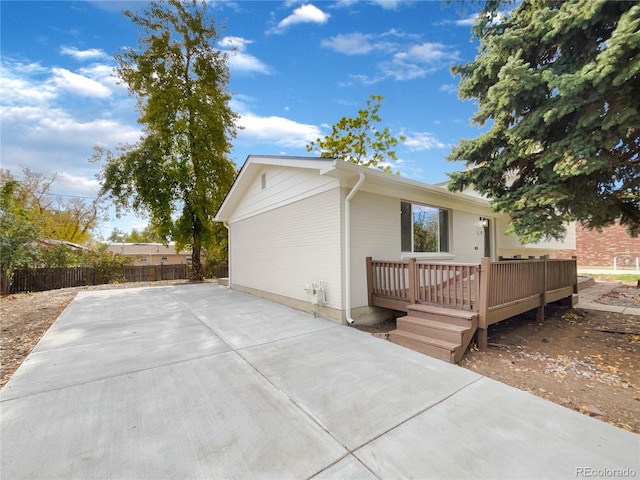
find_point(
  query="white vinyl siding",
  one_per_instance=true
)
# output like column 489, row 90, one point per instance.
column 468, row 239
column 282, row 186
column 375, row 232
column 283, row 249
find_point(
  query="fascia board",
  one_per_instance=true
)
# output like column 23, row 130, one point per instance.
column 401, row 187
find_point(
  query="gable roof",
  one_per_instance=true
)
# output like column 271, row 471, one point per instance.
column 376, row 181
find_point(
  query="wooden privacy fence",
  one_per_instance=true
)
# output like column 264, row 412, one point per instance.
column 221, row 270
column 496, row 290
column 41, row 279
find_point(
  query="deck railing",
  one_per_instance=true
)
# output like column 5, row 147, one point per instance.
column 496, row 290
column 394, row 284
column 447, row 284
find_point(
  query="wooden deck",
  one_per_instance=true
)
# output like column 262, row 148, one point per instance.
column 482, row 294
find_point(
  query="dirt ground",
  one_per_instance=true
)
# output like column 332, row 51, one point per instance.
column 585, row 360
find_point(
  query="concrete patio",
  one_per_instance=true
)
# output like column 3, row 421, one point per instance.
column 197, row 381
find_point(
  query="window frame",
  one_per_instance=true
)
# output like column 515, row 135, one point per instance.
column 443, row 242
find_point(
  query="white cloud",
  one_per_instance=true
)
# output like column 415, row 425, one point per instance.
column 385, row 4
column 104, row 75
column 237, row 43
column 239, row 60
column 401, row 70
column 420, row 141
column 405, row 59
column 425, row 53
column 42, row 130
column 345, row 3
column 305, row 14
column 350, row 43
column 417, row 61
column 357, row 43
column 18, row 91
column 468, row 21
column 277, row 130
column 448, row 88
column 78, row 84
column 106, row 131
column 90, row 54
column 389, row 4
column 77, row 184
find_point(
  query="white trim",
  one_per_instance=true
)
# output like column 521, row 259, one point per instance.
column 228, row 227
column 427, row 256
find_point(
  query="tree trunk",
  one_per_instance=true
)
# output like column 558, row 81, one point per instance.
column 197, row 272
column 5, row 281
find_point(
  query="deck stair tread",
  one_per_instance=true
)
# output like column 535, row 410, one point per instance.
column 435, row 324
column 434, row 347
column 451, row 346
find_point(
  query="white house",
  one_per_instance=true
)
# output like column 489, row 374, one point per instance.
column 300, row 230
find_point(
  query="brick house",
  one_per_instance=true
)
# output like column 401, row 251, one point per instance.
column 601, row 249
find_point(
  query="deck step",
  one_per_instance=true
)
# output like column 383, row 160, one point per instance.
column 448, row 315
column 440, row 349
column 432, row 328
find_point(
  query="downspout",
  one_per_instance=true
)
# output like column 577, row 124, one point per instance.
column 347, row 247
column 226, row 225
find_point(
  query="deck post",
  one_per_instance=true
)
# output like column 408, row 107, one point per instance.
column 543, row 296
column 412, row 281
column 370, row 280
column 483, row 302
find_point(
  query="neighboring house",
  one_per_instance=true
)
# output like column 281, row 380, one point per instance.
column 49, row 242
column 611, row 248
column 151, row 253
column 300, row 230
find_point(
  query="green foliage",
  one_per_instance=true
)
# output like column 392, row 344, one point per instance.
column 558, row 83
column 179, row 173
column 116, row 235
column 351, row 139
column 108, row 265
column 146, row 235
column 425, row 231
column 619, row 277
column 58, row 256
column 18, row 235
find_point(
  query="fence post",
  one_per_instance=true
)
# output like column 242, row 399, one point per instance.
column 412, row 281
column 483, row 302
column 370, row 280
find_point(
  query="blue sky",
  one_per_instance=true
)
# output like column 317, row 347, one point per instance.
column 298, row 68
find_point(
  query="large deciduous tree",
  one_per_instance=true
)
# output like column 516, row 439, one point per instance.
column 356, row 139
column 179, row 172
column 56, row 217
column 558, row 84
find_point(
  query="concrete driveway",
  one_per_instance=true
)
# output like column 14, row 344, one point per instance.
column 196, row 381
